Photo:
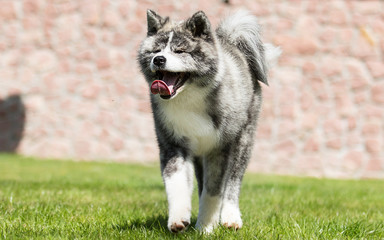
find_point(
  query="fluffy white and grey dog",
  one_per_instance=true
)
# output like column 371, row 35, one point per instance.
column 205, row 99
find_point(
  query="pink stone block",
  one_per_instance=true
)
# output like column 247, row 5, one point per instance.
column 264, row 131
column 286, row 148
column 336, row 17
column 375, row 164
column 312, row 145
column 310, row 165
column 111, row 19
column 310, row 120
column 119, row 39
column 91, row 13
column 259, row 9
column 334, row 126
column 42, row 61
column 32, row 6
column 304, row 45
column 335, row 143
column 286, row 128
column 328, row 36
column 91, row 91
column 331, row 67
column 374, row 145
column 359, row 83
column 366, row 7
column 82, row 150
column 345, row 105
column 288, row 112
column 373, row 113
column 372, row 128
column 355, row 141
column 365, row 50
column 134, row 26
column 11, row 59
column 144, row 106
column 353, row 161
column 309, row 68
column 361, row 98
column 103, row 63
column 376, row 68
column 352, row 123
column 319, row 88
column 307, row 100
column 90, row 35
column 7, row 10
column 377, row 92
column 118, row 144
column 125, row 8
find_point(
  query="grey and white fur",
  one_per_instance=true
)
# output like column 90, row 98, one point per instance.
column 205, row 122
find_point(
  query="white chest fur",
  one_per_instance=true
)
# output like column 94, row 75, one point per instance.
column 187, row 117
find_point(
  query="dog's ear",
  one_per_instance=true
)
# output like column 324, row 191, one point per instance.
column 155, row 22
column 199, row 25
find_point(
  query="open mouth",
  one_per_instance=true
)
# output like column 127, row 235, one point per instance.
column 168, row 83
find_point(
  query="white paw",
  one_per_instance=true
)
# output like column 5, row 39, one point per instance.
column 205, row 228
column 231, row 217
column 179, row 218
column 209, row 213
column 233, row 225
column 178, row 226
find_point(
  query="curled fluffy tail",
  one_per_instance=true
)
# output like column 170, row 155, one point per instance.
column 243, row 31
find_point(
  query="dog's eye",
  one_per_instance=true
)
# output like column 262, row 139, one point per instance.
column 178, row 51
column 156, row 51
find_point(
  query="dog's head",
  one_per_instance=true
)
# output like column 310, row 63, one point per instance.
column 175, row 55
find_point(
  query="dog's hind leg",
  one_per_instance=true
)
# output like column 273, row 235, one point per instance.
column 214, row 166
column 178, row 179
column 240, row 154
column 230, row 215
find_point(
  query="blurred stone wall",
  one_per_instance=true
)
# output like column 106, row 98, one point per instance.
column 72, row 66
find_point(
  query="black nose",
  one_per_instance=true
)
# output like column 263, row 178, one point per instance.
column 159, row 61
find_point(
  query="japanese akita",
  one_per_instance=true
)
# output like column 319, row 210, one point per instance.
column 206, row 99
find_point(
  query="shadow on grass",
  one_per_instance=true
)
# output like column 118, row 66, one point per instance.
column 153, row 223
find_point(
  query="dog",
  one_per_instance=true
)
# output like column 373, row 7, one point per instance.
column 206, row 98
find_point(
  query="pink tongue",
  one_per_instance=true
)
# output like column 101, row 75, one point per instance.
column 160, row 87
column 165, row 87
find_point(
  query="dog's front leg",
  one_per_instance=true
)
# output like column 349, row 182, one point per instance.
column 177, row 174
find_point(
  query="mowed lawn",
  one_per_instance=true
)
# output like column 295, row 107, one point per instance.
column 47, row 199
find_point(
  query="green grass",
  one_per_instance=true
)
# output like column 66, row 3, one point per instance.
column 82, row 200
